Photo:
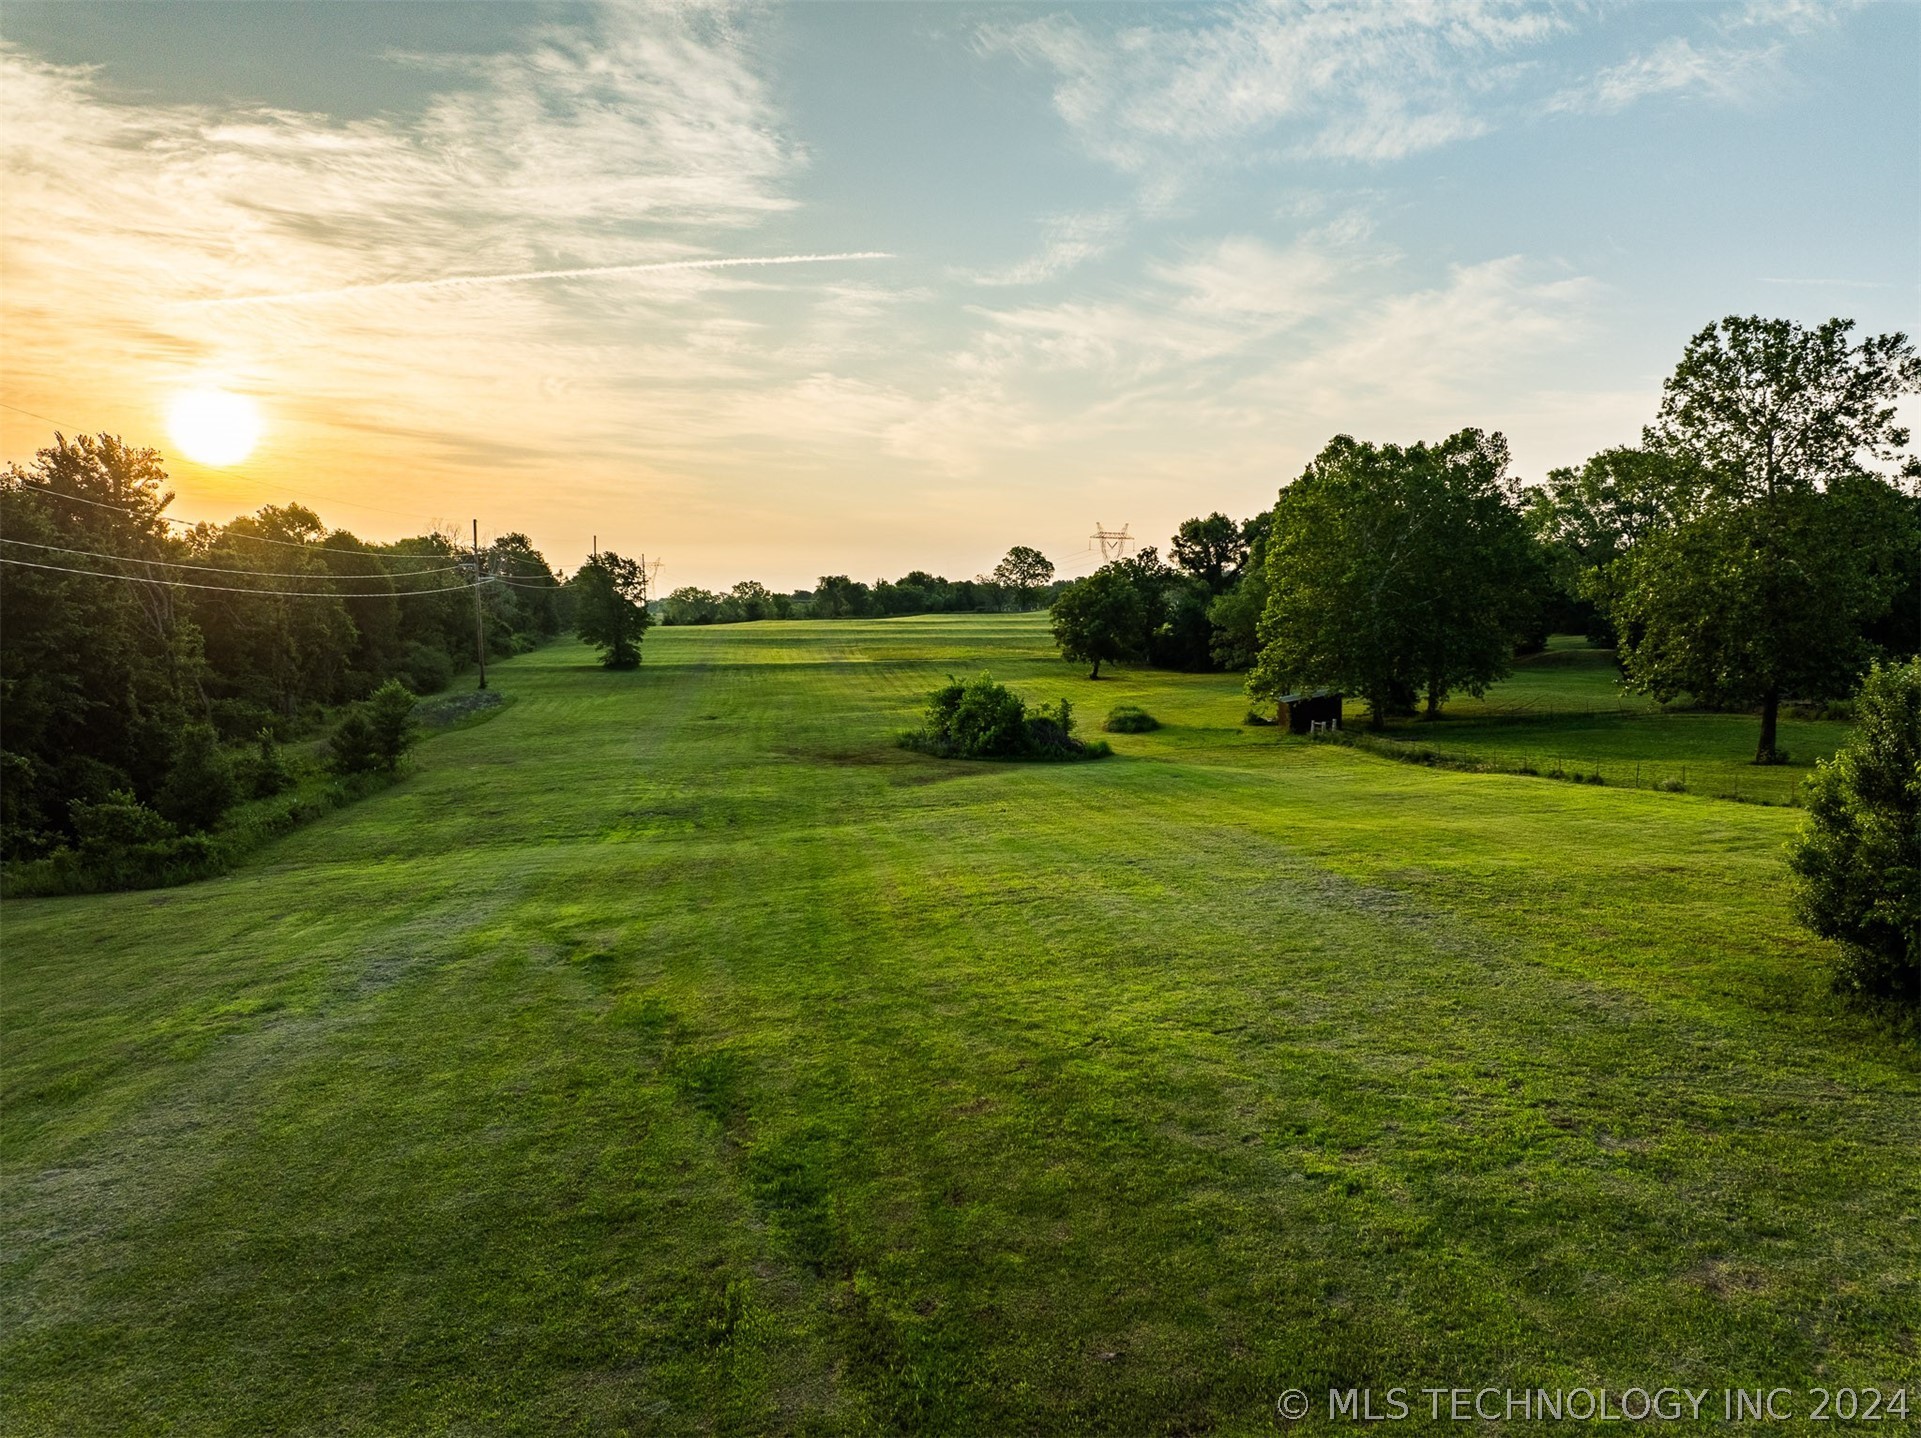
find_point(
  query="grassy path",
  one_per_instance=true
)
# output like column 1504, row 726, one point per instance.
column 672, row 1054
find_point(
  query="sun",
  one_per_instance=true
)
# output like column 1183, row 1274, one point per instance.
column 214, row 426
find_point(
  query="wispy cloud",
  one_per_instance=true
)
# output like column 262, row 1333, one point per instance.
column 1069, row 241
column 1677, row 66
column 153, row 245
column 457, row 282
column 1367, row 82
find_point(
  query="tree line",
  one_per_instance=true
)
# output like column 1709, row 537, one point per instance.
column 1023, row 579
column 1756, row 547
column 131, row 642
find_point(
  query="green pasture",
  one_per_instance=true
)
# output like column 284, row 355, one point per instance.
column 672, row 1053
column 1565, row 709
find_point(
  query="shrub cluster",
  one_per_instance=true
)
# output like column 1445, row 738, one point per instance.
column 202, row 822
column 375, row 736
column 1130, row 719
column 983, row 719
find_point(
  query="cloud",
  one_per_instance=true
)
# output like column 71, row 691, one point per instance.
column 1725, row 73
column 1068, row 242
column 638, row 140
column 1366, row 82
column 461, row 282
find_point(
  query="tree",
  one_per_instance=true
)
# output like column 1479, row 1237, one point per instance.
column 200, row 784
column 1234, row 617
column 1858, row 856
column 1212, row 550
column 532, row 590
column 353, row 748
column 1025, row 571
column 390, row 713
column 838, row 597
column 611, row 612
column 1391, row 571
column 1585, row 519
column 689, row 605
column 745, row 602
column 97, row 675
column 1101, row 618
column 1785, row 544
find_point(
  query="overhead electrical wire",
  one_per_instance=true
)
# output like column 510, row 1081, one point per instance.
column 234, row 588
column 228, row 533
column 223, row 569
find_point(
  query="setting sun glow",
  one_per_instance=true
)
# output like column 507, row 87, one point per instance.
column 213, row 426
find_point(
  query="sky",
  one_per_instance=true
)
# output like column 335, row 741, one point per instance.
column 1100, row 264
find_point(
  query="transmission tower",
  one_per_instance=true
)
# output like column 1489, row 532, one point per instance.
column 1113, row 542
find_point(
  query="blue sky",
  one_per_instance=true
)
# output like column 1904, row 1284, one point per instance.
column 1143, row 261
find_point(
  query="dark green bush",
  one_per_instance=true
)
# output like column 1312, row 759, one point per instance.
column 1858, row 856
column 426, row 668
column 391, row 713
column 982, row 719
column 374, row 737
column 978, row 719
column 200, row 784
column 353, row 748
column 267, row 773
column 124, row 845
column 238, row 719
column 1130, row 719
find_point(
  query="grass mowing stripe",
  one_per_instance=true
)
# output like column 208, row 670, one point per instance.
column 673, row 1053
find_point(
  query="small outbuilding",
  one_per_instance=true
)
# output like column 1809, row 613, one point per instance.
column 1312, row 709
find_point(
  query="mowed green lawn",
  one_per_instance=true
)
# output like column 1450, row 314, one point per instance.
column 1565, row 709
column 673, row 1054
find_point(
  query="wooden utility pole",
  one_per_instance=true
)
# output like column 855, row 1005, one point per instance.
column 480, row 618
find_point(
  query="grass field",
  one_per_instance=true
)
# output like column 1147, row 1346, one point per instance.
column 1564, row 708
column 673, row 1054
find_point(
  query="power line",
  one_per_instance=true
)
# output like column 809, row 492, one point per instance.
column 227, row 532
column 232, row 588
column 223, row 569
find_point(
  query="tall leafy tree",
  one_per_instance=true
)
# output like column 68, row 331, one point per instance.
column 747, row 601
column 1395, row 570
column 1101, row 618
column 838, row 597
column 1026, row 572
column 1784, row 543
column 1586, row 518
column 97, row 675
column 1234, row 617
column 611, row 608
column 1212, row 550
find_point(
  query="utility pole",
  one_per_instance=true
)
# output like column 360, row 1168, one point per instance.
column 480, row 618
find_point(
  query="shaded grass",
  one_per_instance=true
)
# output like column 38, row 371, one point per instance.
column 672, row 1054
column 1563, row 710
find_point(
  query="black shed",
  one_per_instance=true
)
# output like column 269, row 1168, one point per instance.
column 1313, row 709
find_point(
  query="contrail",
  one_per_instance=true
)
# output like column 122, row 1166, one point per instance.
column 452, row 282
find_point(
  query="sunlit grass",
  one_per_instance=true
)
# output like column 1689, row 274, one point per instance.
column 674, row 1053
